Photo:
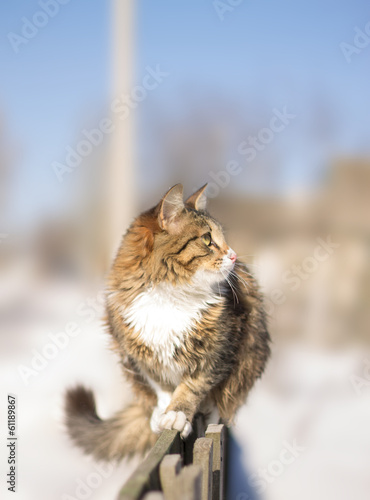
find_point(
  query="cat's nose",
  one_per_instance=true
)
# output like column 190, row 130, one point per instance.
column 232, row 256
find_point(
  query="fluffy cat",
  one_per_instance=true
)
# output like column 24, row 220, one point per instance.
column 187, row 321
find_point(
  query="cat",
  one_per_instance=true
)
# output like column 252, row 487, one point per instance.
column 188, row 323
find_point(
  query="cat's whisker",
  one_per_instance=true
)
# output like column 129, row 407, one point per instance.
column 234, row 292
column 242, row 267
column 240, row 279
column 242, row 270
column 249, row 264
column 231, row 287
column 244, row 283
column 245, row 272
column 225, row 278
column 232, row 273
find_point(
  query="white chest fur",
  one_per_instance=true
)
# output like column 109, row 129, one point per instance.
column 164, row 315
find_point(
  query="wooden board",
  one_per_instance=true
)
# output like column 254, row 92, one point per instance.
column 146, row 476
column 218, row 435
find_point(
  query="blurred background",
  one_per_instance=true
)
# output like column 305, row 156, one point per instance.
column 106, row 104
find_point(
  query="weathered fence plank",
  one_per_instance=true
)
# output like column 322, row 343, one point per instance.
column 146, row 476
column 188, row 484
column 154, row 495
column 168, row 470
column 203, row 456
column 160, row 476
column 217, row 433
column 198, row 431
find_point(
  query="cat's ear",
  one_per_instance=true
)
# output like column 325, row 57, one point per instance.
column 198, row 200
column 171, row 206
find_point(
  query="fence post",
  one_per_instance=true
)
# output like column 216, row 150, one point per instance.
column 216, row 432
column 168, row 471
column 198, row 431
column 203, row 456
column 204, row 479
column 154, row 495
column 146, row 476
column 188, row 484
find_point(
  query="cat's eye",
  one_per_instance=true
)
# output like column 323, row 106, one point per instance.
column 207, row 239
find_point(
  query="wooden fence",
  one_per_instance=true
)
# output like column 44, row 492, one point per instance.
column 182, row 470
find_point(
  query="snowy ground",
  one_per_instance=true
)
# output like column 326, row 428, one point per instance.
column 305, row 430
column 303, row 434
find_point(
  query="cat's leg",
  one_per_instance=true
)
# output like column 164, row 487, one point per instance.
column 141, row 387
column 151, row 394
column 232, row 392
column 177, row 420
column 185, row 402
column 163, row 400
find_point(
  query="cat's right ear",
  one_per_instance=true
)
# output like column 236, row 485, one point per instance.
column 170, row 207
column 198, row 200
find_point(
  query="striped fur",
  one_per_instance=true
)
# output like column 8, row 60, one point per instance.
column 188, row 322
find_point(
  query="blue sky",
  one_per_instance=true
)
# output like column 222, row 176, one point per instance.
column 271, row 52
column 260, row 45
column 267, row 54
column 49, row 88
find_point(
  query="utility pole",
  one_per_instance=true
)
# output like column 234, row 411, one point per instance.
column 120, row 178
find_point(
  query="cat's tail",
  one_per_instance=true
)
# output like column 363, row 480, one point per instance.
column 126, row 433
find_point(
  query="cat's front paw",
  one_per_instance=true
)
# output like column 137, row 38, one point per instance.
column 155, row 421
column 176, row 420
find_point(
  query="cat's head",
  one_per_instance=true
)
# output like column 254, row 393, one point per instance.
column 184, row 241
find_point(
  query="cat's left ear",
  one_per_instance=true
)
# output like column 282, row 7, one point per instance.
column 170, row 207
column 198, row 200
